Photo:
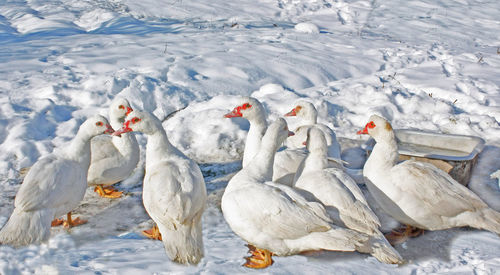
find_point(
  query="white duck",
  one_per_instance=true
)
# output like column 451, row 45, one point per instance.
column 333, row 187
column 344, row 201
column 277, row 219
column 286, row 161
column 113, row 158
column 54, row 186
column 174, row 192
column 418, row 194
column 309, row 117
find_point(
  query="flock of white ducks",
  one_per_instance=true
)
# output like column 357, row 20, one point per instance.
column 323, row 196
column 277, row 219
column 282, row 203
column 287, row 161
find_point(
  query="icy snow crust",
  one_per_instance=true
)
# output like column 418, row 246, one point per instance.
column 430, row 65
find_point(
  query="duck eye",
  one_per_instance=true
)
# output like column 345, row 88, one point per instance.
column 135, row 120
column 371, row 124
column 246, row 106
column 99, row 123
column 121, row 107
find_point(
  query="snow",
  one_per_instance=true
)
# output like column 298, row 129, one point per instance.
column 307, row 28
column 430, row 65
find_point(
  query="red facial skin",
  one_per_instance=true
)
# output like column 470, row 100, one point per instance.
column 370, row 125
column 237, row 110
column 294, row 111
column 129, row 110
column 126, row 126
column 109, row 129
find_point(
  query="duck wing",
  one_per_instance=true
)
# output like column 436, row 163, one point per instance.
column 50, row 183
column 430, row 187
column 174, row 191
column 279, row 211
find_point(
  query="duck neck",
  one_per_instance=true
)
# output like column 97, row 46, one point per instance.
column 79, row 149
column 261, row 166
column 158, row 146
column 310, row 117
column 384, row 155
column 126, row 143
column 257, row 129
column 315, row 161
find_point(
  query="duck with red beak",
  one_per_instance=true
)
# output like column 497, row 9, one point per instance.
column 113, row 159
column 174, row 192
column 419, row 194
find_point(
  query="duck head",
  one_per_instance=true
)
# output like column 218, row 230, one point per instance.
column 97, row 125
column 118, row 110
column 379, row 128
column 304, row 110
column 137, row 121
column 249, row 108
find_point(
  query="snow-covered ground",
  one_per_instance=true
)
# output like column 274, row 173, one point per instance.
column 430, row 65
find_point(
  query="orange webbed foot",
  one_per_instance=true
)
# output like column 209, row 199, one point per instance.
column 57, row 222
column 415, row 232
column 73, row 223
column 401, row 235
column 261, row 258
column 108, row 192
column 69, row 222
column 153, row 233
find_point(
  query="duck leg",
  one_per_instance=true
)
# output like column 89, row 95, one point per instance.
column 402, row 234
column 72, row 223
column 153, row 233
column 107, row 192
column 261, row 258
column 69, row 222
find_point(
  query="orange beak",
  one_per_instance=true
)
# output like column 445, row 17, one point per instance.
column 235, row 113
column 109, row 129
column 293, row 112
column 364, row 131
